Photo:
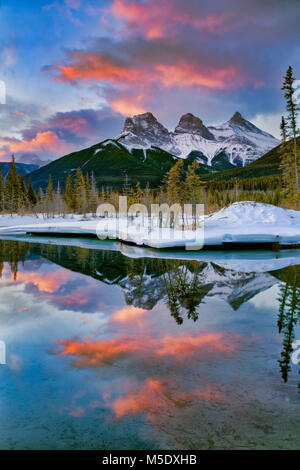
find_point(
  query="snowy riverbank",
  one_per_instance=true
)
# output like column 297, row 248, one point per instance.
column 240, row 223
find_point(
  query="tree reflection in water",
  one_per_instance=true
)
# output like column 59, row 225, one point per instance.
column 288, row 316
column 184, row 291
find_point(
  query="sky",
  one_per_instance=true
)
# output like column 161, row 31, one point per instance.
column 73, row 69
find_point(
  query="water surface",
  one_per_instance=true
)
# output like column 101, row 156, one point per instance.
column 105, row 351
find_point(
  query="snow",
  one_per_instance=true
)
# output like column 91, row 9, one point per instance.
column 241, row 222
column 242, row 142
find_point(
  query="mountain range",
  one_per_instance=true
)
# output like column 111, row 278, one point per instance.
column 236, row 142
column 145, row 150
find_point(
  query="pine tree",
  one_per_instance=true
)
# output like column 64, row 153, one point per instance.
column 50, row 191
column 23, row 198
column 287, row 163
column 192, row 187
column 12, row 192
column 94, row 199
column 32, row 198
column 87, row 188
column 173, row 182
column 40, row 195
column 80, row 192
column 69, row 192
column 292, row 110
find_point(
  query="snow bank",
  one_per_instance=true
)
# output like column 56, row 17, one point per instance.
column 241, row 222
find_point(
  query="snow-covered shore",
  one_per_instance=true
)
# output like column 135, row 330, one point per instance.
column 240, row 223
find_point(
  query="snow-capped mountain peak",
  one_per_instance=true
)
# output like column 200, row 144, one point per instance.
column 237, row 142
column 190, row 124
column 145, row 130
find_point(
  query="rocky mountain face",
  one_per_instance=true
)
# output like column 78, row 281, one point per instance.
column 144, row 130
column 236, row 142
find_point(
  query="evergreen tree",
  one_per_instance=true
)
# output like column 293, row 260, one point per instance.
column 292, row 110
column 94, row 199
column 286, row 164
column 32, row 198
column 173, row 182
column 40, row 195
column 50, row 191
column 192, row 188
column 12, row 191
column 80, row 192
column 69, row 192
column 23, row 198
column 87, row 191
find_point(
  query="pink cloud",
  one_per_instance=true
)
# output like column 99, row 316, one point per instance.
column 47, row 142
column 156, row 20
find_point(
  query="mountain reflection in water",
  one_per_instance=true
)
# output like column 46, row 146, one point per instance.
column 189, row 347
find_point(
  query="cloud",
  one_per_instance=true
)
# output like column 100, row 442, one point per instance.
column 128, row 106
column 93, row 65
column 156, row 20
column 45, row 142
column 63, row 133
column 186, row 75
column 86, row 66
column 157, row 397
column 128, row 314
column 90, row 353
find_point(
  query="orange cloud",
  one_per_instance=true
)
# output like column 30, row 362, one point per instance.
column 45, row 281
column 185, row 344
column 96, row 66
column 126, row 107
column 185, row 76
column 98, row 353
column 44, row 141
column 128, row 314
column 157, row 398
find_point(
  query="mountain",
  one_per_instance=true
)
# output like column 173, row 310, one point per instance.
column 31, row 159
column 267, row 165
column 110, row 161
column 237, row 142
column 27, row 169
